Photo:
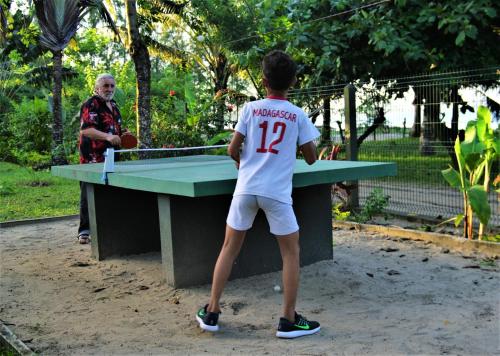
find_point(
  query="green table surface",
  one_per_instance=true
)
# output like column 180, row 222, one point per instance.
column 205, row 175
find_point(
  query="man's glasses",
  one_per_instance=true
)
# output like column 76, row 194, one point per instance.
column 108, row 85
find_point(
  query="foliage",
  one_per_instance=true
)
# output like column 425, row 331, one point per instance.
column 492, row 238
column 338, row 212
column 475, row 156
column 336, row 41
column 30, row 124
column 33, row 159
column 375, row 204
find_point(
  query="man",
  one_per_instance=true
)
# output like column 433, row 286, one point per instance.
column 100, row 128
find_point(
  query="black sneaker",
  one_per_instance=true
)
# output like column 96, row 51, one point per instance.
column 300, row 327
column 207, row 320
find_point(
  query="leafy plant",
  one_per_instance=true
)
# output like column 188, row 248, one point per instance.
column 475, row 157
column 375, row 203
column 339, row 214
column 30, row 123
column 492, row 238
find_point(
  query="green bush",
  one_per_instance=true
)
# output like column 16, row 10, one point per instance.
column 6, row 141
column 375, row 204
column 30, row 122
column 33, row 159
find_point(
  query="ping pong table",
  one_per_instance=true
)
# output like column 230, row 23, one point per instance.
column 179, row 205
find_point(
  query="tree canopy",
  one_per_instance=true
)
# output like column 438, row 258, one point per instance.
column 193, row 62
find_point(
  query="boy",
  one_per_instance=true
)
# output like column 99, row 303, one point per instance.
column 271, row 128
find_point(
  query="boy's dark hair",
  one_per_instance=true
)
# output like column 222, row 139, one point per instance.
column 279, row 70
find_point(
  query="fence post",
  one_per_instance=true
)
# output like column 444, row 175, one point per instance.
column 351, row 136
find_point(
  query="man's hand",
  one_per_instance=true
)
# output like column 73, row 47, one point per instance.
column 95, row 134
column 114, row 140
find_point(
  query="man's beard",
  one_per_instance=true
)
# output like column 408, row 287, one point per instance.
column 108, row 97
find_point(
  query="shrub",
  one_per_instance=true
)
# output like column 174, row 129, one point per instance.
column 33, row 159
column 31, row 125
column 374, row 205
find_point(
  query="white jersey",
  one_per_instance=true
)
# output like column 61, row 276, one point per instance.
column 272, row 128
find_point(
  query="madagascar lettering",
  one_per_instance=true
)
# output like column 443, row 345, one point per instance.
column 282, row 114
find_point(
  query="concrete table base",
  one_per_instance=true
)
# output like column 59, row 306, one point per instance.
column 190, row 231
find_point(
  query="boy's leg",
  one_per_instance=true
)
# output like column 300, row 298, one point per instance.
column 292, row 325
column 230, row 250
column 290, row 253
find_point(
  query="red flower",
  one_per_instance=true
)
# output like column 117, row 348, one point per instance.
column 171, row 92
column 230, row 108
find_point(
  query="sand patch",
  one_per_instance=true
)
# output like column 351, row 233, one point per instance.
column 378, row 296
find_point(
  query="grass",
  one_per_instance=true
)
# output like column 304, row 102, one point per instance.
column 412, row 167
column 25, row 193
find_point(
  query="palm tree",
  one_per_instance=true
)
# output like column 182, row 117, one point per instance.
column 4, row 7
column 139, row 45
column 59, row 20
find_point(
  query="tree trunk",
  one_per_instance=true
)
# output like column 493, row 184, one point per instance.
column 416, row 128
column 430, row 123
column 378, row 121
column 327, row 130
column 453, row 133
column 58, row 154
column 140, row 55
column 417, row 122
column 341, row 132
column 455, row 114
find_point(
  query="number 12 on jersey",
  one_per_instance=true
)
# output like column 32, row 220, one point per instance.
column 281, row 126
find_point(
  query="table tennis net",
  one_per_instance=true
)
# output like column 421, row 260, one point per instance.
column 118, row 161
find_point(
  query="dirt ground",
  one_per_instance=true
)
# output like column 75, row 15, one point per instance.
column 378, row 296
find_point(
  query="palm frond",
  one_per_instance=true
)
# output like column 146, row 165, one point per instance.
column 58, row 20
column 168, row 7
column 165, row 52
column 4, row 8
column 103, row 12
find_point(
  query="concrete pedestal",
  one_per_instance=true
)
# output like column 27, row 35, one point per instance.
column 190, row 231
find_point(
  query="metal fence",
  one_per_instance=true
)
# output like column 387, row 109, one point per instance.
column 420, row 116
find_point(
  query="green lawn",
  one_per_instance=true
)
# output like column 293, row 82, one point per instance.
column 25, row 193
column 412, row 167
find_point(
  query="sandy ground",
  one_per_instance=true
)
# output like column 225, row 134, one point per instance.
column 378, row 296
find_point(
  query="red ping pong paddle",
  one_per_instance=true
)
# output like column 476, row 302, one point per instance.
column 128, row 140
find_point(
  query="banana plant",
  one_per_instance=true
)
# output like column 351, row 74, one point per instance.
column 475, row 157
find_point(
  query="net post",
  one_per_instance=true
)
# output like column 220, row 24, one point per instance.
column 109, row 164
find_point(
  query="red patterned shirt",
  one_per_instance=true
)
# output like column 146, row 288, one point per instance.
column 94, row 113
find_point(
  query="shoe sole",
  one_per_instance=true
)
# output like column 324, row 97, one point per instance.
column 296, row 333
column 205, row 326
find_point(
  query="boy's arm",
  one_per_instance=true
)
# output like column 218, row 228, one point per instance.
column 309, row 152
column 234, row 147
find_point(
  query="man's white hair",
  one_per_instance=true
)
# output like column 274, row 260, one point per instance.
column 100, row 78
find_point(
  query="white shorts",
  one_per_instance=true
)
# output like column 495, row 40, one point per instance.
column 280, row 216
